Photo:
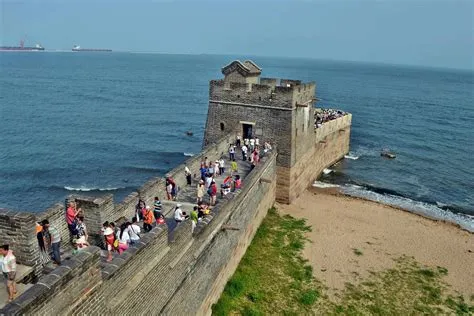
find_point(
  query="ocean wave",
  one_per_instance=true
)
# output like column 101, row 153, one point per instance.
column 324, row 185
column 351, row 156
column 327, row 171
column 431, row 210
column 188, row 154
column 87, row 189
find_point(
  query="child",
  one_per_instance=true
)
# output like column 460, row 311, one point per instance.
column 157, row 208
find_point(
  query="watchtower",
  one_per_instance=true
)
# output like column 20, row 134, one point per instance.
column 279, row 111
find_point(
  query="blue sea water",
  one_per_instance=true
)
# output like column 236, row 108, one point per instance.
column 99, row 123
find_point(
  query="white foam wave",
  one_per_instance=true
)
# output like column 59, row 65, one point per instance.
column 327, row 171
column 87, row 189
column 417, row 207
column 351, row 157
column 324, row 185
column 188, row 154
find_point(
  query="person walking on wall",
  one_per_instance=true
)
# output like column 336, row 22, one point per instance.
column 244, row 152
column 44, row 258
column 221, row 166
column 213, row 193
column 231, row 151
column 9, row 270
column 54, row 241
column 233, row 167
column 187, row 174
column 201, row 189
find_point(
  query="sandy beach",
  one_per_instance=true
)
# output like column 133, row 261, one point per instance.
column 351, row 237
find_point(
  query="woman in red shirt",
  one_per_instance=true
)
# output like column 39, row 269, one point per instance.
column 213, row 192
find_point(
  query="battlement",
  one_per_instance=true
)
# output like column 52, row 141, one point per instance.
column 271, row 92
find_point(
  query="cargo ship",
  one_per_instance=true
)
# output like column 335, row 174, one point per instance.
column 78, row 48
column 21, row 48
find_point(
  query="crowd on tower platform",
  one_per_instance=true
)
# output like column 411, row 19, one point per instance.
column 325, row 115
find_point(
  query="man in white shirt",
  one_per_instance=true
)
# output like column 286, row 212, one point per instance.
column 179, row 215
column 134, row 231
column 244, row 152
column 9, row 270
column 221, row 166
column 252, row 144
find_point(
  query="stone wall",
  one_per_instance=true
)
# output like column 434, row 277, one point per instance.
column 158, row 274
column 217, row 262
column 330, row 144
column 18, row 230
column 61, row 291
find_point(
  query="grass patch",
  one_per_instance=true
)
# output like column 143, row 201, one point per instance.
column 357, row 252
column 273, row 278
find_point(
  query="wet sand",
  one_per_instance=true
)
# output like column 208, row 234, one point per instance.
column 343, row 225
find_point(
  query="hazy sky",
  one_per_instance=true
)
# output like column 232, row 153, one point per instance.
column 419, row 32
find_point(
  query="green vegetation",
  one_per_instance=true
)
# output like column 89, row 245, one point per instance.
column 273, row 278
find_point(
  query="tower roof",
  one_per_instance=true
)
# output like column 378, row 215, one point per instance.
column 246, row 69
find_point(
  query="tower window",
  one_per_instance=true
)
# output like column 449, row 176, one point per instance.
column 222, row 126
column 238, row 96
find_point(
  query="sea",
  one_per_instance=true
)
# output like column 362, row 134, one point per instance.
column 96, row 123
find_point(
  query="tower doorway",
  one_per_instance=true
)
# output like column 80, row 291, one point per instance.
column 247, row 130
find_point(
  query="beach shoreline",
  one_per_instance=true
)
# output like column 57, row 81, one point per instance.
column 353, row 237
column 336, row 191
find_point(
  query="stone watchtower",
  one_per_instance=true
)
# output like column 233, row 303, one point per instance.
column 279, row 111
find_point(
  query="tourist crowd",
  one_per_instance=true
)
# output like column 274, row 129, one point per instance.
column 326, row 115
column 118, row 237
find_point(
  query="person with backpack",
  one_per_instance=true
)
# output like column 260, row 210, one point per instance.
column 134, row 232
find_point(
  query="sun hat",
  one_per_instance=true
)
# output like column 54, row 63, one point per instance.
column 148, row 207
column 178, row 205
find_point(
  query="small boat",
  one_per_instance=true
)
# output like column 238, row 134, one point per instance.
column 189, row 133
column 388, row 154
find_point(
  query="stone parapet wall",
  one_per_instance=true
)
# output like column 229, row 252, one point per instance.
column 18, row 230
column 333, row 126
column 331, row 143
column 60, row 292
column 162, row 271
column 218, row 260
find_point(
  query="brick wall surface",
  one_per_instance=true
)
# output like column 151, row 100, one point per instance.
column 58, row 292
column 18, row 230
column 217, row 262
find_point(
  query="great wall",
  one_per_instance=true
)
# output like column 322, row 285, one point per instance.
column 174, row 271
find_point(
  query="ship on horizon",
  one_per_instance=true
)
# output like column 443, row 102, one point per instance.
column 22, row 48
column 78, row 48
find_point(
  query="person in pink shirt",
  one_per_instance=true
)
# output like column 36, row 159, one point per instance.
column 71, row 213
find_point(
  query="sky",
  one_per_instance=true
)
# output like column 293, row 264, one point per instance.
column 437, row 33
